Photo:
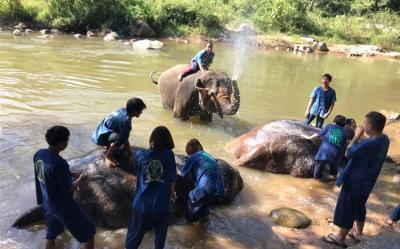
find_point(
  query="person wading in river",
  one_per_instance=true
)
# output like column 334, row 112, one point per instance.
column 322, row 101
column 358, row 178
column 54, row 188
column 201, row 61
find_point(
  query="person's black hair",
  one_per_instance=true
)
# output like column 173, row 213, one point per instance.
column 56, row 135
column 350, row 121
column 328, row 76
column 161, row 139
column 135, row 105
column 376, row 120
column 193, row 146
column 340, row 120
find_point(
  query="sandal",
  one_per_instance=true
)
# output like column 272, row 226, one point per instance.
column 329, row 239
column 354, row 237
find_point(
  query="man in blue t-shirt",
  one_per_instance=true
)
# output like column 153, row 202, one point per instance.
column 209, row 183
column 322, row 101
column 358, row 178
column 113, row 131
column 155, row 188
column 331, row 150
column 201, row 61
column 54, row 188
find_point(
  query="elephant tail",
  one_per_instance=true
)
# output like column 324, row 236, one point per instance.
column 151, row 77
column 31, row 216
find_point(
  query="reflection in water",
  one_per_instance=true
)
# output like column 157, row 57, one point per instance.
column 76, row 82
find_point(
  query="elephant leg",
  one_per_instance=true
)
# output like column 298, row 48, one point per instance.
column 205, row 116
column 180, row 113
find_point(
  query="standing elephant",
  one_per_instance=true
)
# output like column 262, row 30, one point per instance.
column 199, row 94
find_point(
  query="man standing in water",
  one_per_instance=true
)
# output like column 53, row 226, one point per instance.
column 54, row 180
column 322, row 100
column 358, row 178
column 201, row 61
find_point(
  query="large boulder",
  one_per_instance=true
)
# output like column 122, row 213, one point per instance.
column 111, row 36
column 147, row 44
column 141, row 28
column 277, row 147
column 304, row 48
column 108, row 195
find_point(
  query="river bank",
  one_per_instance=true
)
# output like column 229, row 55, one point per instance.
column 277, row 42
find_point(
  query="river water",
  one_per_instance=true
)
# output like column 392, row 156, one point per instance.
column 77, row 82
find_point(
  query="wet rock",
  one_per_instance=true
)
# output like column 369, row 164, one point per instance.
column 141, row 28
column 277, row 147
column 27, row 31
column 90, row 33
column 147, row 44
column 112, row 36
column 18, row 32
column 366, row 50
column 20, row 26
column 321, row 46
column 44, row 31
column 289, row 217
column 304, row 48
column 55, row 31
column 78, row 36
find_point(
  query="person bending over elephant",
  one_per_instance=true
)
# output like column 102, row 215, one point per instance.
column 201, row 61
column 209, row 183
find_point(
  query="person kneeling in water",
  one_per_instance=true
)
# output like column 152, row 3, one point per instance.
column 209, row 183
column 201, row 61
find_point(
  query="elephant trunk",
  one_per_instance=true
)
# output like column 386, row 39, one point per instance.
column 230, row 104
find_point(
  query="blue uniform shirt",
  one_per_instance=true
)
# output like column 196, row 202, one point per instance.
column 206, row 174
column 156, row 173
column 118, row 122
column 366, row 160
column 322, row 100
column 54, row 179
column 333, row 145
column 204, row 58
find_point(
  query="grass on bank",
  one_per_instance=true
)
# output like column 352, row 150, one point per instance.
column 344, row 21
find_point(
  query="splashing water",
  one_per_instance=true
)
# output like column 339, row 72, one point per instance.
column 242, row 41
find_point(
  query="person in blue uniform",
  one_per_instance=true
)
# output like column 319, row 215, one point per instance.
column 322, row 101
column 54, row 180
column 201, row 61
column 156, row 176
column 113, row 131
column 331, row 150
column 209, row 183
column 358, row 178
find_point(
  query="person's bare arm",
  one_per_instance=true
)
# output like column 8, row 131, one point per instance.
column 173, row 193
column 81, row 179
column 326, row 115
column 308, row 107
column 358, row 134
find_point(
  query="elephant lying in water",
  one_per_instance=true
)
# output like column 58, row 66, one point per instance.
column 108, row 195
column 198, row 94
column 277, row 147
